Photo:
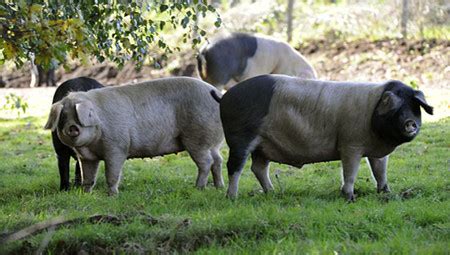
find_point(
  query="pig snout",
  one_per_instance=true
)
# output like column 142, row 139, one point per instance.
column 410, row 128
column 73, row 131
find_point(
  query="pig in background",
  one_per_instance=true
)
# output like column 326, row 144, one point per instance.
column 238, row 56
column 63, row 152
column 148, row 119
column 296, row 121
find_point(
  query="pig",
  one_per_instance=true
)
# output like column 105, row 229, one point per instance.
column 238, row 56
column 298, row 121
column 64, row 152
column 148, row 119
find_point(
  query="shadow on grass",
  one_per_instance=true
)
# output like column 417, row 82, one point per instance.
column 161, row 236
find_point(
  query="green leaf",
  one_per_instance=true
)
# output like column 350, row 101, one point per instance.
column 163, row 7
column 161, row 44
column 218, row 22
column 185, row 21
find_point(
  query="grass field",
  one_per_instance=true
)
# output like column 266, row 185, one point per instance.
column 159, row 210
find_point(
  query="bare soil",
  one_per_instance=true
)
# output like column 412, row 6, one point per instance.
column 426, row 62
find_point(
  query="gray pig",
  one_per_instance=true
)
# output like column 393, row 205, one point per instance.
column 237, row 57
column 295, row 121
column 149, row 119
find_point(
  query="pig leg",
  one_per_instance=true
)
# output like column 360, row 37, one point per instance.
column 217, row 168
column 64, row 170
column 260, row 167
column 379, row 167
column 77, row 174
column 89, row 169
column 350, row 165
column 113, row 172
column 204, row 161
column 236, row 162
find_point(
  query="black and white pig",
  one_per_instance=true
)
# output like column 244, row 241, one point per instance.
column 63, row 152
column 148, row 119
column 237, row 57
column 297, row 121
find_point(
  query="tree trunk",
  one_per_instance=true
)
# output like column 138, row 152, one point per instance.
column 234, row 3
column 34, row 71
column 404, row 21
column 39, row 75
column 34, row 75
column 47, row 77
column 195, row 30
column 289, row 11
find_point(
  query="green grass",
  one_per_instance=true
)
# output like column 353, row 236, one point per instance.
column 305, row 215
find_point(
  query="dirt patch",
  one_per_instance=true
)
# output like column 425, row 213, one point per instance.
column 426, row 63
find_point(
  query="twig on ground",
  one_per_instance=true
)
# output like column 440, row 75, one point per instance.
column 62, row 221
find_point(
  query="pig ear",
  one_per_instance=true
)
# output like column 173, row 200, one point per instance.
column 53, row 118
column 86, row 114
column 389, row 102
column 420, row 98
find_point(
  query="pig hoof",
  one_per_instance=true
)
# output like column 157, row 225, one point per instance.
column 231, row 197
column 87, row 189
column 351, row 197
column 219, row 186
column 201, row 187
column 269, row 190
column 384, row 189
column 64, row 188
column 77, row 183
column 113, row 191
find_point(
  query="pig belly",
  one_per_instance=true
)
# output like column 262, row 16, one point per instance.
column 296, row 154
column 157, row 148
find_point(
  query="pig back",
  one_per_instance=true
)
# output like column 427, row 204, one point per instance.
column 152, row 118
column 310, row 120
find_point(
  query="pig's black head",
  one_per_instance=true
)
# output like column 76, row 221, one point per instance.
column 397, row 117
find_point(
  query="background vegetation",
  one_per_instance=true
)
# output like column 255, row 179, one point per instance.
column 50, row 33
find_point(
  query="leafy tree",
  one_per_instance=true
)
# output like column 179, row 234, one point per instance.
column 15, row 103
column 52, row 31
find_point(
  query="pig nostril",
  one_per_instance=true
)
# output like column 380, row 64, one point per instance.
column 410, row 126
column 74, row 131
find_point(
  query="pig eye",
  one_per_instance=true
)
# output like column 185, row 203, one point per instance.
column 415, row 107
column 62, row 118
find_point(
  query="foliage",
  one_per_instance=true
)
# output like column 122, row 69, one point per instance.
column 15, row 103
column 52, row 32
column 342, row 20
column 306, row 215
